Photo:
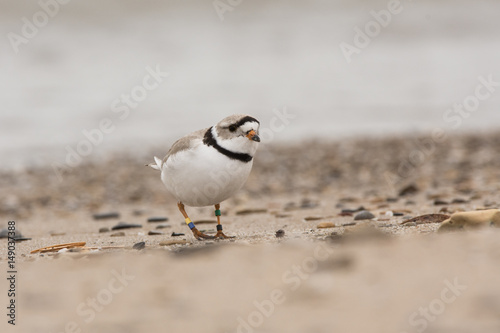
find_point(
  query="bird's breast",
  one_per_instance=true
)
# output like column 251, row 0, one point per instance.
column 202, row 176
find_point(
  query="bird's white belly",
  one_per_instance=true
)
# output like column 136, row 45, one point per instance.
column 202, row 176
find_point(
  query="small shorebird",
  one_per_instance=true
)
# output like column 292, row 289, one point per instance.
column 208, row 166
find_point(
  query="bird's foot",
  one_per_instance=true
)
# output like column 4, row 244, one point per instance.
column 220, row 235
column 199, row 235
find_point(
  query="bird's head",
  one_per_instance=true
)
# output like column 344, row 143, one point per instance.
column 238, row 126
column 238, row 133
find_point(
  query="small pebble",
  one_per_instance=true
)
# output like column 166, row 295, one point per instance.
column 392, row 199
column 155, row 233
column 398, row 214
column 123, row 225
column 280, row 233
column 163, row 225
column 359, row 209
column 324, row 225
column 157, row 219
column 345, row 214
column 118, row 234
column 439, row 202
column 348, row 199
column 104, row 216
column 173, row 242
column 348, row 224
column 139, row 246
column 364, row 215
column 251, row 211
column 202, row 222
column 459, row 201
column 313, row 218
column 103, row 229
column 174, row 234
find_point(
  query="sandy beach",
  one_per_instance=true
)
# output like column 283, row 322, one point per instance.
column 377, row 275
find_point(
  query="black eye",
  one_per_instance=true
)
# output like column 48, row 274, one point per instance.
column 232, row 128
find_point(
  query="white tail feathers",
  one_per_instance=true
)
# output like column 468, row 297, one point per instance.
column 156, row 165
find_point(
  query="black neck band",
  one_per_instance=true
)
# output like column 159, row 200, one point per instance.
column 209, row 140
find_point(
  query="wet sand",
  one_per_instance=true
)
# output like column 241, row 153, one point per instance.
column 375, row 275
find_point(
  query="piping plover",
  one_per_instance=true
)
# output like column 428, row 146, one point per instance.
column 208, row 166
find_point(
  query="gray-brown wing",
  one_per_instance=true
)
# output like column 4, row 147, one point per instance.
column 184, row 143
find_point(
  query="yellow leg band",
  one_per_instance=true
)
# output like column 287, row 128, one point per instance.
column 189, row 223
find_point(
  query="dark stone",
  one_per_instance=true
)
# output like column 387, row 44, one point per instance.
column 174, row 234
column 351, row 211
column 364, row 215
column 439, row 202
column 123, row 225
column 157, row 219
column 139, row 246
column 104, row 216
column 155, row 233
column 280, row 233
column 459, row 201
column 103, row 229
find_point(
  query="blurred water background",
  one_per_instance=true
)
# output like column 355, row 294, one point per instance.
column 262, row 56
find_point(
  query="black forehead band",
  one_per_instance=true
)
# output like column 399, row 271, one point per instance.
column 244, row 120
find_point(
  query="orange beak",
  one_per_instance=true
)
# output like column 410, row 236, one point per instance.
column 253, row 136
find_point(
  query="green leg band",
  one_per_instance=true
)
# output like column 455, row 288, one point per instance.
column 217, row 212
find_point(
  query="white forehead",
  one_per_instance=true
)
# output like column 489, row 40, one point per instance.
column 250, row 125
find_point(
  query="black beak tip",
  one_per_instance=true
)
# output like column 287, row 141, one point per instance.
column 256, row 138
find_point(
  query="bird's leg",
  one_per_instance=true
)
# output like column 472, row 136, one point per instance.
column 197, row 234
column 219, row 234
